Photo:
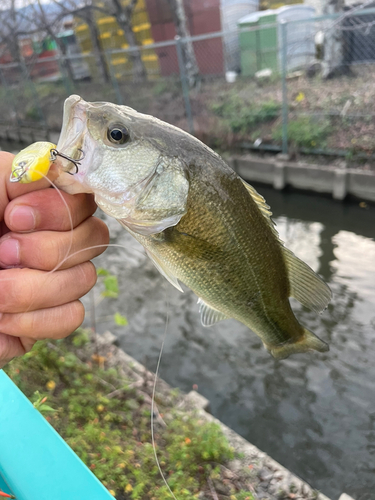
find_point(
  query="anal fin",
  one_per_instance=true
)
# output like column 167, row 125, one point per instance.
column 209, row 316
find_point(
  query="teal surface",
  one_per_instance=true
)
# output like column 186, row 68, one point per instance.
column 4, row 486
column 35, row 462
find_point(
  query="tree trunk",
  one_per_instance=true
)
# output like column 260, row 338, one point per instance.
column 96, row 44
column 14, row 46
column 64, row 62
column 190, row 62
column 123, row 18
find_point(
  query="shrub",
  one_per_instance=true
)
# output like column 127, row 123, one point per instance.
column 242, row 117
column 305, row 132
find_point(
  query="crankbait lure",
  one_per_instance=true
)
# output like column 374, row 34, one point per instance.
column 33, row 163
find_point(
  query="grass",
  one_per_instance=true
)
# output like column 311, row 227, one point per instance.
column 305, row 132
column 105, row 418
column 242, row 117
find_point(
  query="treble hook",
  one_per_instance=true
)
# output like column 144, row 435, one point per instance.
column 55, row 153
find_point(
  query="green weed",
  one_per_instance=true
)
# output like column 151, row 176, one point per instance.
column 242, row 117
column 106, row 421
column 305, row 132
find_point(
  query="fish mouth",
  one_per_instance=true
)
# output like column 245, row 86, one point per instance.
column 75, row 147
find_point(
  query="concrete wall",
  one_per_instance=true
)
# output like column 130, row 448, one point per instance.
column 280, row 173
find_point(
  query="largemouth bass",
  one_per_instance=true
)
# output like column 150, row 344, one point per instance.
column 199, row 222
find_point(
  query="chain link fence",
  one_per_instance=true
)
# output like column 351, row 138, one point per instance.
column 294, row 86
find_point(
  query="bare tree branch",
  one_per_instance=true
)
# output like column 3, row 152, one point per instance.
column 180, row 22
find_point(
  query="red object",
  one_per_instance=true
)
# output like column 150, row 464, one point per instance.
column 5, row 495
column 46, row 69
column 203, row 16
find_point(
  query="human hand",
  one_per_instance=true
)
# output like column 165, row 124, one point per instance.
column 35, row 238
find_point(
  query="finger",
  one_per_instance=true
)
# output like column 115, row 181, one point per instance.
column 24, row 290
column 47, row 250
column 11, row 347
column 55, row 322
column 48, row 209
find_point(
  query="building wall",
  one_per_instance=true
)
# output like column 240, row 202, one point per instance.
column 203, row 16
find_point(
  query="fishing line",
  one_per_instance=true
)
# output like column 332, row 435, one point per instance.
column 153, row 401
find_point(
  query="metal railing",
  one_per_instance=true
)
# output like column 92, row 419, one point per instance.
column 298, row 85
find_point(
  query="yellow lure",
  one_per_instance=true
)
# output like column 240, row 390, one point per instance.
column 32, row 163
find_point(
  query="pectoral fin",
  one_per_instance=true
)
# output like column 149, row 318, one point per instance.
column 163, row 270
column 209, row 316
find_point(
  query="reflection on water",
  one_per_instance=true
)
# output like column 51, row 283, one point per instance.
column 314, row 413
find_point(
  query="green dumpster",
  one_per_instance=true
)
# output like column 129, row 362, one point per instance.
column 258, row 47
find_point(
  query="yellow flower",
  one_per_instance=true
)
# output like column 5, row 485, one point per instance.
column 51, row 385
column 112, row 492
column 128, row 488
column 100, row 408
column 300, row 97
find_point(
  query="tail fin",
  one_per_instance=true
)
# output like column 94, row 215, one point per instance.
column 307, row 342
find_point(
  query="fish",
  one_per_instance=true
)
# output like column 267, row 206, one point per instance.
column 198, row 221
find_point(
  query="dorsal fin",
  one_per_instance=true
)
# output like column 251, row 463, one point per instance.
column 305, row 285
column 262, row 205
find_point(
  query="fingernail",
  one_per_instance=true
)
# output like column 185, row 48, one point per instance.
column 9, row 253
column 22, row 218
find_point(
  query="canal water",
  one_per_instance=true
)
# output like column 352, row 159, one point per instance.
column 314, row 413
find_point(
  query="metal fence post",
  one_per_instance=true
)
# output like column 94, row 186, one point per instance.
column 257, row 49
column 11, row 100
column 184, row 84
column 35, row 95
column 116, row 88
column 284, row 70
column 67, row 82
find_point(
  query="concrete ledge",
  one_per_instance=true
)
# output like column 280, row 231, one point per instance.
column 340, row 182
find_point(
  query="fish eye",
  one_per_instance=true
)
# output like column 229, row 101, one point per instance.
column 118, row 134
